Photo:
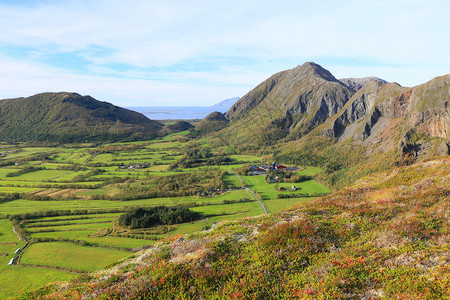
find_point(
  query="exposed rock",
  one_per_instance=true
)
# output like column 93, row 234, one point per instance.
column 377, row 107
column 358, row 83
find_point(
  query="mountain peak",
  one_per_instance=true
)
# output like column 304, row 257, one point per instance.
column 311, row 68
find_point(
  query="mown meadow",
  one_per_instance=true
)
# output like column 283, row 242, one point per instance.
column 64, row 201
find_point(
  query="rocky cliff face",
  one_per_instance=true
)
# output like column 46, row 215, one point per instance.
column 409, row 113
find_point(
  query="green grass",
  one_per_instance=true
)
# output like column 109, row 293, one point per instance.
column 246, row 158
column 232, row 181
column 23, row 206
column 63, row 222
column 11, row 190
column 17, row 278
column 161, row 153
column 72, row 256
column 42, row 175
column 309, row 171
column 73, row 227
column 269, row 193
column 90, row 216
column 6, row 171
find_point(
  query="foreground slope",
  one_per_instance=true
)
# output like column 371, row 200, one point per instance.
column 70, row 117
column 386, row 236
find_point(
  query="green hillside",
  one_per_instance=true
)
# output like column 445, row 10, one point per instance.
column 69, row 117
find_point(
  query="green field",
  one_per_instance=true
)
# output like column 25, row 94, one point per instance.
column 80, row 188
column 67, row 255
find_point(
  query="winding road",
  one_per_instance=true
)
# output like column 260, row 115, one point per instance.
column 254, row 196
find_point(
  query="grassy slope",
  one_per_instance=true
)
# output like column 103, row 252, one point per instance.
column 387, row 236
column 69, row 117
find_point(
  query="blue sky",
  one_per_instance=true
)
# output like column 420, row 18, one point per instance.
column 149, row 53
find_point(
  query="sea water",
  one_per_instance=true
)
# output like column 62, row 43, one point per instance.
column 174, row 112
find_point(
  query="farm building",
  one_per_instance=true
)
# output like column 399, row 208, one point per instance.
column 265, row 167
column 257, row 170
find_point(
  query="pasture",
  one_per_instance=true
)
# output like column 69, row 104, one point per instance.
column 68, row 202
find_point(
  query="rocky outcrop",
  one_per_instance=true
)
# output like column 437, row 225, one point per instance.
column 358, row 83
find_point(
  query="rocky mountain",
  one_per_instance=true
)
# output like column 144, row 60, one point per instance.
column 369, row 111
column 358, row 83
column 70, row 117
column 291, row 102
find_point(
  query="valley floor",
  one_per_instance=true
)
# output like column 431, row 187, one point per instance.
column 64, row 203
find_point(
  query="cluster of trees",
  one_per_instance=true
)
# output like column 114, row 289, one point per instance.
column 159, row 215
column 9, row 197
column 287, row 176
column 244, row 170
column 195, row 156
column 116, row 148
column 71, row 167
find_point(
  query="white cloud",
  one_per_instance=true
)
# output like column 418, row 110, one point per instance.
column 205, row 51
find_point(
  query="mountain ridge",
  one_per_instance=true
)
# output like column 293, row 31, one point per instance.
column 309, row 100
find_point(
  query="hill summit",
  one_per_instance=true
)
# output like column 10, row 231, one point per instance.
column 291, row 102
column 70, row 117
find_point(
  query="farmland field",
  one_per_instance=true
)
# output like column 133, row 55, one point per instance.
column 65, row 202
column 66, row 255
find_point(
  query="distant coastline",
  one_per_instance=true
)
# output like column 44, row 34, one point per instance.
column 174, row 112
column 183, row 112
